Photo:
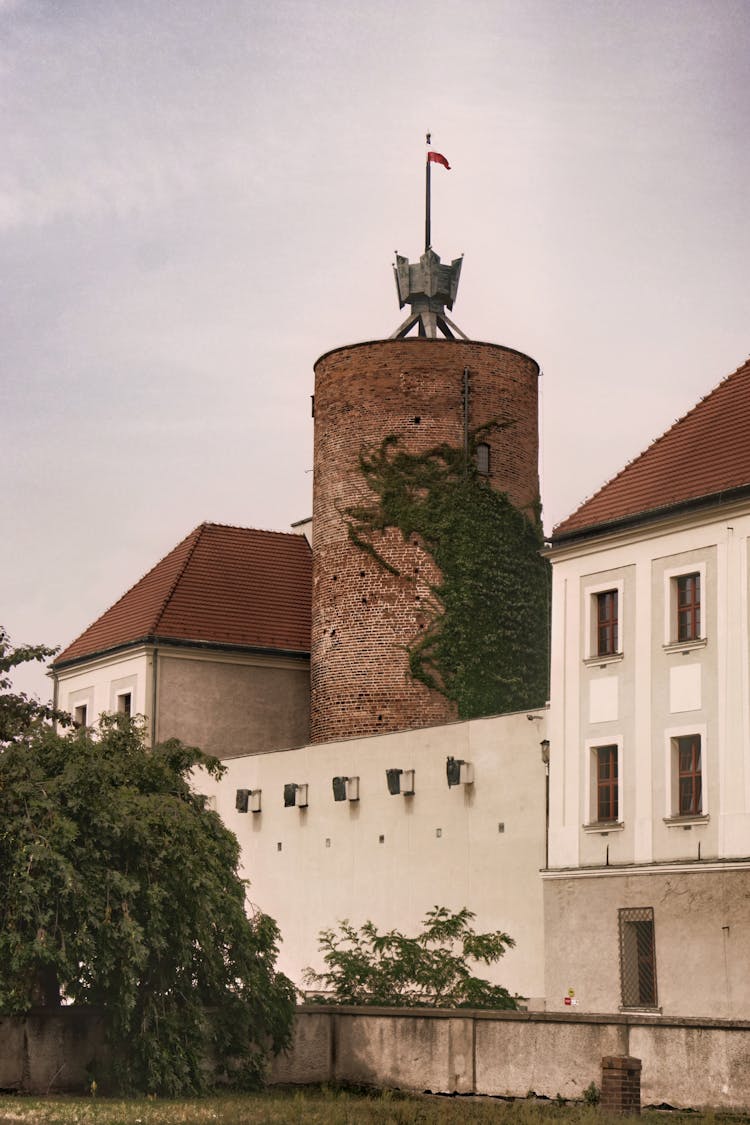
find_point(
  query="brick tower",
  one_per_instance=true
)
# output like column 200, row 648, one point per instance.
column 374, row 600
column 364, row 615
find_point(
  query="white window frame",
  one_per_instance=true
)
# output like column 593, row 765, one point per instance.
column 81, row 706
column 671, row 773
column 121, row 695
column 590, row 622
column 124, row 685
column 591, row 745
column 670, row 604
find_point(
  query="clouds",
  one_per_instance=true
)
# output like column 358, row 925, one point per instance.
column 196, row 200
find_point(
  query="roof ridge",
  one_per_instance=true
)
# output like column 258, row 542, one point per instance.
column 261, row 530
column 197, row 532
column 654, row 443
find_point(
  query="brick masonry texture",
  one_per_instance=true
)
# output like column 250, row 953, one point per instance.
column 364, row 617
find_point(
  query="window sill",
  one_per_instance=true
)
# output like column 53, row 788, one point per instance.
column 601, row 661
column 640, row 1009
column 685, row 821
column 603, row 827
column 685, row 646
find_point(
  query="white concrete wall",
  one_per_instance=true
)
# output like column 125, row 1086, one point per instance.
column 391, row 858
column 98, row 682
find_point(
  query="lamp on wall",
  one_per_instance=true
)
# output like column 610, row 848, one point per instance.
column 459, row 772
column 247, row 800
column 544, row 744
column 345, row 788
column 295, row 794
column 400, row 781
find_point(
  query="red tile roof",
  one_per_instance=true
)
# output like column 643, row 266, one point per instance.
column 221, row 585
column 704, row 454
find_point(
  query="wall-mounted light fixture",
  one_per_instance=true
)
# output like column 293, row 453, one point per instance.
column 345, row 788
column 247, row 800
column 400, row 781
column 459, row 772
column 544, row 745
column 295, row 794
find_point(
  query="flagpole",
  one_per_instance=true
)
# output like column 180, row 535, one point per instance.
column 427, row 233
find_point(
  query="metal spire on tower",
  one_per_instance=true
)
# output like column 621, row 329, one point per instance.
column 427, row 285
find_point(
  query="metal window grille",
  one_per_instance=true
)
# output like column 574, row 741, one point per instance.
column 688, row 607
column 606, row 623
column 606, row 783
column 689, row 779
column 637, row 957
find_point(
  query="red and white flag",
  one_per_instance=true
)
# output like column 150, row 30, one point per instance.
column 438, row 158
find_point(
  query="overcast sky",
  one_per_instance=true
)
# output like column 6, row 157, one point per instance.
column 199, row 197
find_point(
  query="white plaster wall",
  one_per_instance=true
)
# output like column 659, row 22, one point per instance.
column 310, row 868
column 97, row 683
column 658, row 687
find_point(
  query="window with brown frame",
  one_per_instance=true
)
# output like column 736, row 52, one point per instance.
column 606, row 623
column 607, row 802
column 80, row 715
column 689, row 775
column 124, row 703
column 688, row 607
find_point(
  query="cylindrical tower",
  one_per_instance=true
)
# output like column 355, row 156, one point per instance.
column 426, row 393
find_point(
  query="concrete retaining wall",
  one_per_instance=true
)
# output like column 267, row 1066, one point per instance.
column 685, row 1063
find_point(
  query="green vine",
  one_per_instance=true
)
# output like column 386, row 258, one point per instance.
column 486, row 646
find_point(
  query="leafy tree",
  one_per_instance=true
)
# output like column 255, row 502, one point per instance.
column 119, row 889
column 430, row 970
column 19, row 711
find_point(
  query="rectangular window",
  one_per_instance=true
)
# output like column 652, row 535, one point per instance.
column 80, row 715
column 687, row 750
column 637, row 958
column 124, row 703
column 606, row 783
column 688, row 607
column 606, row 623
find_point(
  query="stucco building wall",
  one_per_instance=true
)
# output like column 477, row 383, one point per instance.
column 392, row 858
column 97, row 683
column 701, row 929
column 231, row 705
column 690, row 869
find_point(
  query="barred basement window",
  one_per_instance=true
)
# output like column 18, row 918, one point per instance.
column 637, row 957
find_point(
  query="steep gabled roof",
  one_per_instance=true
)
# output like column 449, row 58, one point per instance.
column 704, row 454
column 221, row 585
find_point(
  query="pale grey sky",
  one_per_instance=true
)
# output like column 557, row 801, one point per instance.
column 198, row 199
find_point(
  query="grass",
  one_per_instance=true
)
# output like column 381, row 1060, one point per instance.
column 313, row 1106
